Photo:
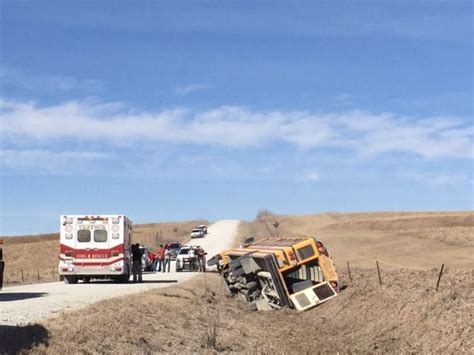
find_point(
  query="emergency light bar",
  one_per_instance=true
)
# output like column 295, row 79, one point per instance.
column 92, row 218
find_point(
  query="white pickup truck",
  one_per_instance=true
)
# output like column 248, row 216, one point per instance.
column 197, row 233
column 186, row 260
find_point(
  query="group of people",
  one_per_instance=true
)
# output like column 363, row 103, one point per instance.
column 162, row 260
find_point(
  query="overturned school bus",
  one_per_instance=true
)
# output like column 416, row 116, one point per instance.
column 274, row 273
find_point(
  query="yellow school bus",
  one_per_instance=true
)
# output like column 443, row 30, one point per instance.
column 274, row 273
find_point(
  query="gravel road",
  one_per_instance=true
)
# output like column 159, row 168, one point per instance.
column 31, row 303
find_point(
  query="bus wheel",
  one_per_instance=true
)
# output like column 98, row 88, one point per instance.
column 70, row 279
column 86, row 279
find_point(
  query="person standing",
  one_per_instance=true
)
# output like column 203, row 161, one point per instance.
column 202, row 259
column 160, row 255
column 192, row 256
column 167, row 260
column 137, row 255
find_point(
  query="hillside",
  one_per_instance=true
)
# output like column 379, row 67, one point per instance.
column 404, row 315
column 413, row 240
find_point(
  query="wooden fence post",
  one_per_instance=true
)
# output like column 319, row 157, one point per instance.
column 38, row 273
column 439, row 277
column 22, row 276
column 349, row 271
column 378, row 271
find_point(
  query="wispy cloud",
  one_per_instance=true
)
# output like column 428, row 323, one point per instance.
column 188, row 89
column 309, row 177
column 362, row 132
column 435, row 179
column 18, row 78
column 47, row 162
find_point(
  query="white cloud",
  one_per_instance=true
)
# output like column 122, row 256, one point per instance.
column 309, row 177
column 184, row 90
column 362, row 132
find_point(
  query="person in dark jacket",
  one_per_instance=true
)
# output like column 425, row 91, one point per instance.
column 137, row 255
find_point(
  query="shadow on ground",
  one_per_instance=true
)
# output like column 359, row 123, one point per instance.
column 18, row 296
column 101, row 282
column 15, row 339
column 156, row 281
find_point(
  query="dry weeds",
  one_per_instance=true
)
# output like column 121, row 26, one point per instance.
column 404, row 316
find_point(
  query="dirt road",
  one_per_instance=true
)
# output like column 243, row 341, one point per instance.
column 29, row 303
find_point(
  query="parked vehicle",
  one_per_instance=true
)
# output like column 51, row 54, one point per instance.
column 197, row 233
column 187, row 259
column 173, row 249
column 276, row 273
column 203, row 228
column 148, row 258
column 95, row 247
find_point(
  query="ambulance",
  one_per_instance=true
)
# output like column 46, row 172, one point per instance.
column 95, row 247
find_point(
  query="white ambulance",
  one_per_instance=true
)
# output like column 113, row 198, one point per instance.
column 95, row 247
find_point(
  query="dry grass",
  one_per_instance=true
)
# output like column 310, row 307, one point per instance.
column 405, row 316
column 39, row 254
column 415, row 240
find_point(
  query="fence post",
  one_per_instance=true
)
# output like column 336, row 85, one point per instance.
column 439, row 277
column 22, row 276
column 378, row 271
column 349, row 271
column 38, row 273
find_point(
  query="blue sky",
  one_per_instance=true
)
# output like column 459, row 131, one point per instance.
column 181, row 110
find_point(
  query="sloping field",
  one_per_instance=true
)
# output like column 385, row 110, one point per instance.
column 404, row 315
column 39, row 254
column 411, row 240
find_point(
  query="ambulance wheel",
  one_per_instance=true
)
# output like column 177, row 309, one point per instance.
column 86, row 279
column 122, row 278
column 70, row 279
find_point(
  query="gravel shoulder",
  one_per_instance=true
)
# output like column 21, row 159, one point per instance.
column 31, row 303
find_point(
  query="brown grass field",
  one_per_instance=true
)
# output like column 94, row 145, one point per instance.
column 404, row 315
column 411, row 240
column 39, row 254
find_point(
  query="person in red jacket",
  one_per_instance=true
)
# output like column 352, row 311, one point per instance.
column 160, row 255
